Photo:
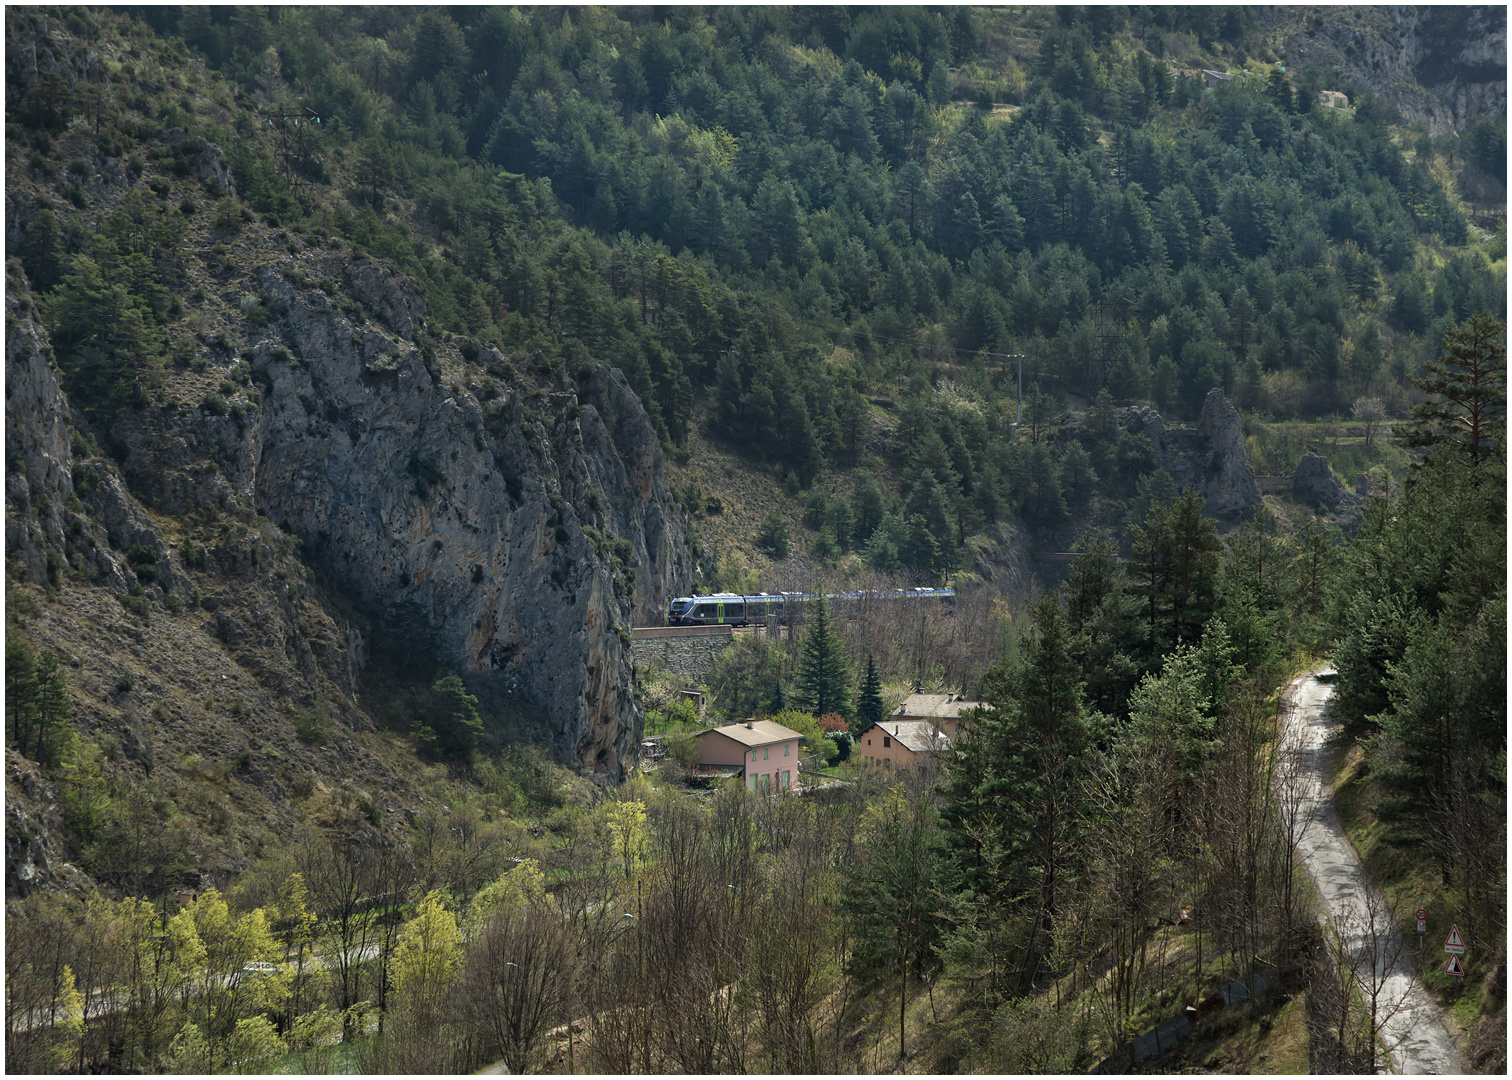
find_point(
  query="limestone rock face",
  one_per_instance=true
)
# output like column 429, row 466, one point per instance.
column 38, row 461
column 1443, row 66
column 206, row 162
column 61, row 513
column 527, row 536
column 1314, row 483
column 1228, row 481
column 1209, row 458
column 35, row 856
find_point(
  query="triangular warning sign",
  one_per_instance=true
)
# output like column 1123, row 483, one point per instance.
column 1454, row 967
column 1453, row 938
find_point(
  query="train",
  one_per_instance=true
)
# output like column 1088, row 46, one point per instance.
column 733, row 609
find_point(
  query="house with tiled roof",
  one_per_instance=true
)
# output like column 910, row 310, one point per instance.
column 902, row 742
column 944, row 710
column 1333, row 99
column 764, row 752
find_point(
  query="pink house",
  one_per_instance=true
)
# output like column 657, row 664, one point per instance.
column 902, row 742
column 766, row 752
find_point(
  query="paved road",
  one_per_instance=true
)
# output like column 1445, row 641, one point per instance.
column 1414, row 1032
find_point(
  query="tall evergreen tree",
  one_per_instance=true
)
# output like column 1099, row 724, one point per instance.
column 1012, row 801
column 888, row 895
column 869, row 705
column 824, row 679
column 36, row 700
column 1176, row 558
column 1103, row 615
column 1467, row 388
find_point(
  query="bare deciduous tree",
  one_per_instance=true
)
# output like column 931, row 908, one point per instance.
column 518, row 982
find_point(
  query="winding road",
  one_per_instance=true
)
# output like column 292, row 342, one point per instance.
column 1413, row 1029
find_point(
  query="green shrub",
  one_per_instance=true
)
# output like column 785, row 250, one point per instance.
column 313, row 726
column 773, row 537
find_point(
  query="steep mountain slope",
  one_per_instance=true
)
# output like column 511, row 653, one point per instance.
column 301, row 484
column 1442, row 66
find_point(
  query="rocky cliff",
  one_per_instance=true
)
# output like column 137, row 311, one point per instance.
column 527, row 520
column 1443, row 66
column 516, row 525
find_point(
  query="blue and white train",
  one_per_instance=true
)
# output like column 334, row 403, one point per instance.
column 732, row 609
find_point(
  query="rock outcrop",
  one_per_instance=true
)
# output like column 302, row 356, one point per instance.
column 528, row 525
column 61, row 514
column 38, row 463
column 1442, row 66
column 35, row 856
column 519, row 525
column 1314, row 483
column 1209, row 458
column 1228, row 482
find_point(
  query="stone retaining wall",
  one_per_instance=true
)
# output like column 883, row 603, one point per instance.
column 687, row 650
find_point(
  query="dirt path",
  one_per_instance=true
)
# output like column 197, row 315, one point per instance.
column 1414, row 1030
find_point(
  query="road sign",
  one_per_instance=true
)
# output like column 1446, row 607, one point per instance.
column 1422, row 914
column 1454, row 943
column 1422, row 926
column 1454, row 967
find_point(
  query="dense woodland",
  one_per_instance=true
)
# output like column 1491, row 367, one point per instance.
column 777, row 222
column 765, row 217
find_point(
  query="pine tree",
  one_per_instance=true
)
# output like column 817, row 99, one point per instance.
column 824, row 679
column 888, row 895
column 1467, row 384
column 36, row 700
column 1175, row 560
column 1012, row 803
column 869, row 706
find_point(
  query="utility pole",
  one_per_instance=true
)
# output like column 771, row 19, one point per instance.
column 1020, row 358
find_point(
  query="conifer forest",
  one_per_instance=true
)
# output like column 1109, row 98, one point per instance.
column 755, row 539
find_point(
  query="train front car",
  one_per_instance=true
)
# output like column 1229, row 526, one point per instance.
column 678, row 609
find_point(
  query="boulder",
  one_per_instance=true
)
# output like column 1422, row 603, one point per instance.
column 1315, row 484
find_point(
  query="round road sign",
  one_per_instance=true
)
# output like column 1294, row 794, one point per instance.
column 1422, row 913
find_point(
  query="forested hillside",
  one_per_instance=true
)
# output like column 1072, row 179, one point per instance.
column 371, row 372
column 766, row 218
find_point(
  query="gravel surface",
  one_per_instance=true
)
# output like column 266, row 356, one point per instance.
column 1413, row 1030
